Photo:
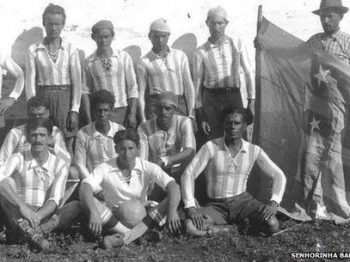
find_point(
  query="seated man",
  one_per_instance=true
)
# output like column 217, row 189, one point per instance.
column 17, row 139
column 94, row 142
column 125, row 178
column 167, row 140
column 227, row 162
column 32, row 186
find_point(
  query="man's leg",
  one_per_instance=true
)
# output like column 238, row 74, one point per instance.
column 215, row 216
column 151, row 106
column 245, row 206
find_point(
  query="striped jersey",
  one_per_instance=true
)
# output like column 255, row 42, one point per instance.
column 17, row 141
column 7, row 63
column 227, row 176
column 35, row 184
column 118, row 77
column 156, row 74
column 337, row 44
column 41, row 70
column 213, row 67
column 116, row 189
column 92, row 147
column 156, row 143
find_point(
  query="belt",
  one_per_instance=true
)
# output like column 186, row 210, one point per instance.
column 221, row 91
column 55, row 87
column 226, row 199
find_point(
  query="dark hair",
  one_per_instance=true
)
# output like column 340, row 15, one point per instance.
column 54, row 9
column 37, row 101
column 248, row 117
column 39, row 122
column 102, row 97
column 127, row 134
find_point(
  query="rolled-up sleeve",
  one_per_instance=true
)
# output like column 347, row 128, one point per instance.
column 198, row 76
column 96, row 177
column 30, row 74
column 76, row 78
column 247, row 69
column 157, row 174
column 130, row 77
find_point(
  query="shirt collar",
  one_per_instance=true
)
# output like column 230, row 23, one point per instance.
column 114, row 166
column 33, row 163
column 96, row 133
column 334, row 36
column 244, row 147
column 210, row 45
column 94, row 56
column 43, row 46
column 170, row 51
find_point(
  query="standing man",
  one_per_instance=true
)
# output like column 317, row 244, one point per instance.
column 167, row 140
column 94, row 144
column 125, row 178
column 323, row 156
column 216, row 74
column 164, row 69
column 113, row 71
column 53, row 71
column 32, row 185
column 227, row 162
column 7, row 63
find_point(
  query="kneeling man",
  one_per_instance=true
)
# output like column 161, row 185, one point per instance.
column 123, row 179
column 227, row 163
column 32, row 186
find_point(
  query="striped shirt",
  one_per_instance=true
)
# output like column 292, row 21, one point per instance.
column 337, row 44
column 227, row 176
column 156, row 74
column 35, row 184
column 213, row 67
column 116, row 190
column 7, row 63
column 156, row 143
column 119, row 79
column 92, row 147
column 42, row 71
column 17, row 141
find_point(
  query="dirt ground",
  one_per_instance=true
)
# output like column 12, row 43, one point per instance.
column 238, row 245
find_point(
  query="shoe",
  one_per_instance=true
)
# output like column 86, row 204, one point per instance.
column 112, row 241
column 34, row 237
column 152, row 236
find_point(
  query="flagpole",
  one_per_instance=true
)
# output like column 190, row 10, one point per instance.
column 257, row 78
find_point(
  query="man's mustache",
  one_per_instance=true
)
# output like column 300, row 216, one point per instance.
column 38, row 144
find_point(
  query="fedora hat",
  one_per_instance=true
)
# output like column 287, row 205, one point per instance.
column 334, row 5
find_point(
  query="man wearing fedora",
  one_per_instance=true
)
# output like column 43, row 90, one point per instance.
column 333, row 41
column 323, row 155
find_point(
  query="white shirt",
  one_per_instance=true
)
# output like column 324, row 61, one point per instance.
column 116, row 190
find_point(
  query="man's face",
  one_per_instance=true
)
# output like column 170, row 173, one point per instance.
column 234, row 126
column 53, row 24
column 330, row 21
column 217, row 26
column 165, row 113
column 36, row 112
column 102, row 112
column 103, row 39
column 159, row 39
column 127, row 152
column 39, row 139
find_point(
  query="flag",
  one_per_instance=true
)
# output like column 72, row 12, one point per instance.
column 302, row 109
